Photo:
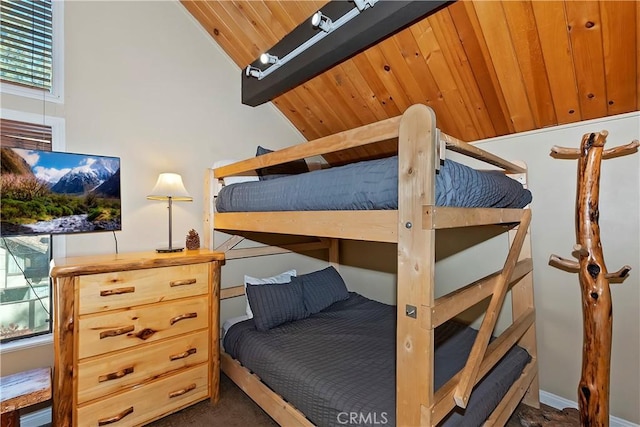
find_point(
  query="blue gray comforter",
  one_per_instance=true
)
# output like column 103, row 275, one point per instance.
column 341, row 361
column 370, row 185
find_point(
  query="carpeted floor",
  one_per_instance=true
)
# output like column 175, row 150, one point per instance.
column 235, row 409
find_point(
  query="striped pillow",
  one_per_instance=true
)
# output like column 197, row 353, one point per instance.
column 322, row 288
column 280, row 278
column 275, row 304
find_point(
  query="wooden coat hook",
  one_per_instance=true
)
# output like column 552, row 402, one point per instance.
column 593, row 389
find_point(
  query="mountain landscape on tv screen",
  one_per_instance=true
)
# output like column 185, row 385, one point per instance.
column 46, row 192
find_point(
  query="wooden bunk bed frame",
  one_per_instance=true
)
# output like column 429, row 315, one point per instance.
column 412, row 227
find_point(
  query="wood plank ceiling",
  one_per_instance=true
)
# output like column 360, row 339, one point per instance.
column 487, row 68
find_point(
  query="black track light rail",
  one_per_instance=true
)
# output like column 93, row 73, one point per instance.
column 385, row 18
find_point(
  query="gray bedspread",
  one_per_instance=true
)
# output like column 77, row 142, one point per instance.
column 370, row 185
column 341, row 361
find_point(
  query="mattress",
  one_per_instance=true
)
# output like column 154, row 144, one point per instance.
column 341, row 361
column 370, row 184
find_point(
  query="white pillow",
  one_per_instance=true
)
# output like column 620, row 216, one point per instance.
column 281, row 278
column 230, row 322
column 228, row 180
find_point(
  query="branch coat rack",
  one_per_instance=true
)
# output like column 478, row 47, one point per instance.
column 597, row 314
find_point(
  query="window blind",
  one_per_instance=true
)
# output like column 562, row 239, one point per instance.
column 25, row 135
column 26, row 33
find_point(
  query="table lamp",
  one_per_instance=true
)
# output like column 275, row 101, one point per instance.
column 170, row 187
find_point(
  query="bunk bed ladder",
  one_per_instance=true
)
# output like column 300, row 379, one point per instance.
column 469, row 376
column 517, row 277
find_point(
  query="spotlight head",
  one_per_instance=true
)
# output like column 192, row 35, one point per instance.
column 265, row 58
column 318, row 20
column 253, row 72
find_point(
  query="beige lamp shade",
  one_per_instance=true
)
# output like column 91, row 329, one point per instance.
column 169, row 185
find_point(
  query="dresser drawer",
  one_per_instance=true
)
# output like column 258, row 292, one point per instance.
column 99, row 334
column 148, row 402
column 121, row 289
column 105, row 375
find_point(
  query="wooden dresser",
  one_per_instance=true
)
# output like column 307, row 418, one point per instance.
column 135, row 336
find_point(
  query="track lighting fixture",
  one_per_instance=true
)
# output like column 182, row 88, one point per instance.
column 266, row 58
column 318, row 20
column 322, row 42
column 253, row 72
column 322, row 21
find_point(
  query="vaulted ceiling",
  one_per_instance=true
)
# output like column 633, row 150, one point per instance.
column 487, row 68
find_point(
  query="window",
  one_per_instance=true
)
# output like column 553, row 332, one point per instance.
column 24, row 287
column 31, row 48
column 24, row 273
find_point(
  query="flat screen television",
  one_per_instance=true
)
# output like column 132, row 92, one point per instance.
column 51, row 192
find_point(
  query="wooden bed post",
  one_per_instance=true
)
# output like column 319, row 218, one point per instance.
column 207, row 222
column 334, row 253
column 522, row 299
column 597, row 312
column 416, row 276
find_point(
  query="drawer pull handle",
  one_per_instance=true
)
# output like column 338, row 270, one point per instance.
column 182, row 317
column 116, row 332
column 116, row 418
column 183, row 391
column 117, row 291
column 145, row 334
column 115, row 375
column 183, row 355
column 182, row 282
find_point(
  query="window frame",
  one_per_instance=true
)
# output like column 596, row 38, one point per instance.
column 12, row 268
column 57, row 65
column 58, row 242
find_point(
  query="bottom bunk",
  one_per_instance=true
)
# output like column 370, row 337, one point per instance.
column 338, row 366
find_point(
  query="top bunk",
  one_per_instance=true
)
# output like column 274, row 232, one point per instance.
column 368, row 200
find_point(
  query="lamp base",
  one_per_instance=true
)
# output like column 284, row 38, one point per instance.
column 168, row 250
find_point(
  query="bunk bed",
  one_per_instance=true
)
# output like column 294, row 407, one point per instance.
column 410, row 222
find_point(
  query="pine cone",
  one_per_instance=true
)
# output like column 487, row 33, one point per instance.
column 193, row 240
